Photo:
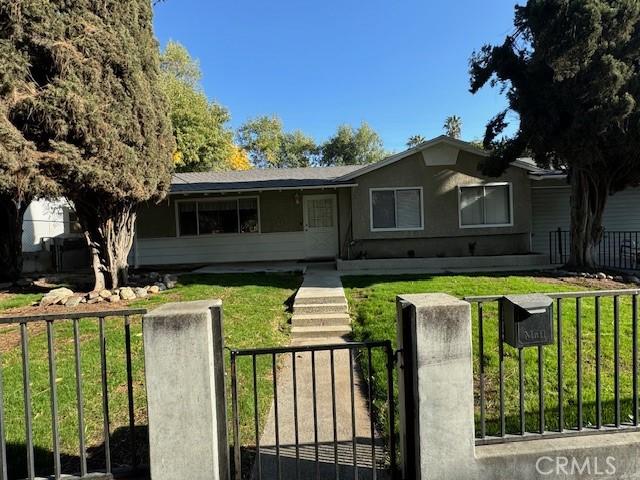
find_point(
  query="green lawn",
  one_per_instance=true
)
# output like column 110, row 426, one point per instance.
column 255, row 314
column 372, row 303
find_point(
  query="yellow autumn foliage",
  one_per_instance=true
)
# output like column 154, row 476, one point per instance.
column 239, row 160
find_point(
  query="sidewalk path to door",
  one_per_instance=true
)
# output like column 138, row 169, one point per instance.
column 332, row 436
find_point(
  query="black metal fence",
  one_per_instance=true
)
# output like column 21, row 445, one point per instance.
column 586, row 383
column 81, row 467
column 615, row 250
column 322, row 422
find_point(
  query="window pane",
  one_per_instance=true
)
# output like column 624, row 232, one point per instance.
column 408, row 208
column 187, row 218
column 320, row 212
column 384, row 209
column 471, row 206
column 248, row 215
column 497, row 206
column 218, row 217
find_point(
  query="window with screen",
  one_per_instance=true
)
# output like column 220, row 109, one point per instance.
column 396, row 209
column 208, row 217
column 485, row 205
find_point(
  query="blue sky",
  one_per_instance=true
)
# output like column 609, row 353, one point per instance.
column 400, row 65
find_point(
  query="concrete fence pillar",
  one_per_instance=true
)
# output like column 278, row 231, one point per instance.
column 184, row 368
column 436, row 387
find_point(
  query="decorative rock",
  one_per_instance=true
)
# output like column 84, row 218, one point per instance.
column 140, row 292
column 95, row 300
column 618, row 278
column 83, row 300
column 114, row 298
column 57, row 295
column 92, row 295
column 161, row 286
column 127, row 293
column 602, row 276
column 153, row 289
column 170, row 281
column 73, row 301
column 105, row 293
column 609, row 277
column 632, row 279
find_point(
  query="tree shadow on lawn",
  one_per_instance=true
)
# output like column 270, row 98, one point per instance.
column 121, row 457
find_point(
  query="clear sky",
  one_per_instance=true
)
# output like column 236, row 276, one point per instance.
column 400, row 65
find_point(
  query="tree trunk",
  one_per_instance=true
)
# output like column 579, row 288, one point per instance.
column 11, row 218
column 588, row 199
column 110, row 238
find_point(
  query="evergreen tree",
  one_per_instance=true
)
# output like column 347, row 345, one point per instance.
column 570, row 70
column 92, row 108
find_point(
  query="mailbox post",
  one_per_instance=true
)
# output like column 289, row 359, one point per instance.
column 527, row 320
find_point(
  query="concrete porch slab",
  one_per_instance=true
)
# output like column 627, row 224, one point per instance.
column 444, row 265
column 254, row 267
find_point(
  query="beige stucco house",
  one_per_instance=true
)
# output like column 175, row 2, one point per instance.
column 428, row 201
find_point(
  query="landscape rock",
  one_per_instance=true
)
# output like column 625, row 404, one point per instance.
column 609, row 277
column 55, row 296
column 161, row 286
column 618, row 278
column 170, row 281
column 141, row 292
column 92, row 295
column 114, row 298
column 73, row 301
column 105, row 293
column 153, row 289
column 602, row 276
column 127, row 293
column 91, row 301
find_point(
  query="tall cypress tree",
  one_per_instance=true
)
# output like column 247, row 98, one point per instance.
column 94, row 112
column 571, row 74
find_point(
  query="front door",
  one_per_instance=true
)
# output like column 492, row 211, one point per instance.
column 320, row 226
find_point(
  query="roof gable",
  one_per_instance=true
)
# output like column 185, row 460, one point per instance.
column 441, row 150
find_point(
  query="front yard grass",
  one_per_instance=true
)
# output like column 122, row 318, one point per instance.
column 373, row 308
column 254, row 313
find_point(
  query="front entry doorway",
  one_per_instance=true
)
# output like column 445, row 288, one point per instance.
column 320, row 226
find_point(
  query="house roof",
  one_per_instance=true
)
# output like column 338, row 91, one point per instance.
column 261, row 179
column 317, row 177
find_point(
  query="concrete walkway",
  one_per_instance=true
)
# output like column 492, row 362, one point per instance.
column 344, row 447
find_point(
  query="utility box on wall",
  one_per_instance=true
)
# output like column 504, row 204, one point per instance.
column 527, row 320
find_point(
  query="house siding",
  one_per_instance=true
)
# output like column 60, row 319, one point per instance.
column 281, row 234
column 552, row 210
column 442, row 234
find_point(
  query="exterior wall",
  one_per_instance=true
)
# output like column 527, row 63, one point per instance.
column 43, row 219
column 442, row 234
column 281, row 234
column 551, row 210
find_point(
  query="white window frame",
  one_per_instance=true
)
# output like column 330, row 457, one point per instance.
column 395, row 229
column 486, row 225
column 212, row 200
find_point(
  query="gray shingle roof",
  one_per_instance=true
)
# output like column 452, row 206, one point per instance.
column 258, row 178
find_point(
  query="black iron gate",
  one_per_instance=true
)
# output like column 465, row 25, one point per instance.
column 314, row 412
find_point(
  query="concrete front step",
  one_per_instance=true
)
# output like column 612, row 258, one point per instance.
column 317, row 320
column 329, row 297
column 321, row 308
column 320, row 332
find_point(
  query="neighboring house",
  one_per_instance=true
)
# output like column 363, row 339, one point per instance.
column 428, row 201
column 51, row 237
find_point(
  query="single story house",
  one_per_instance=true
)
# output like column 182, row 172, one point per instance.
column 427, row 201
